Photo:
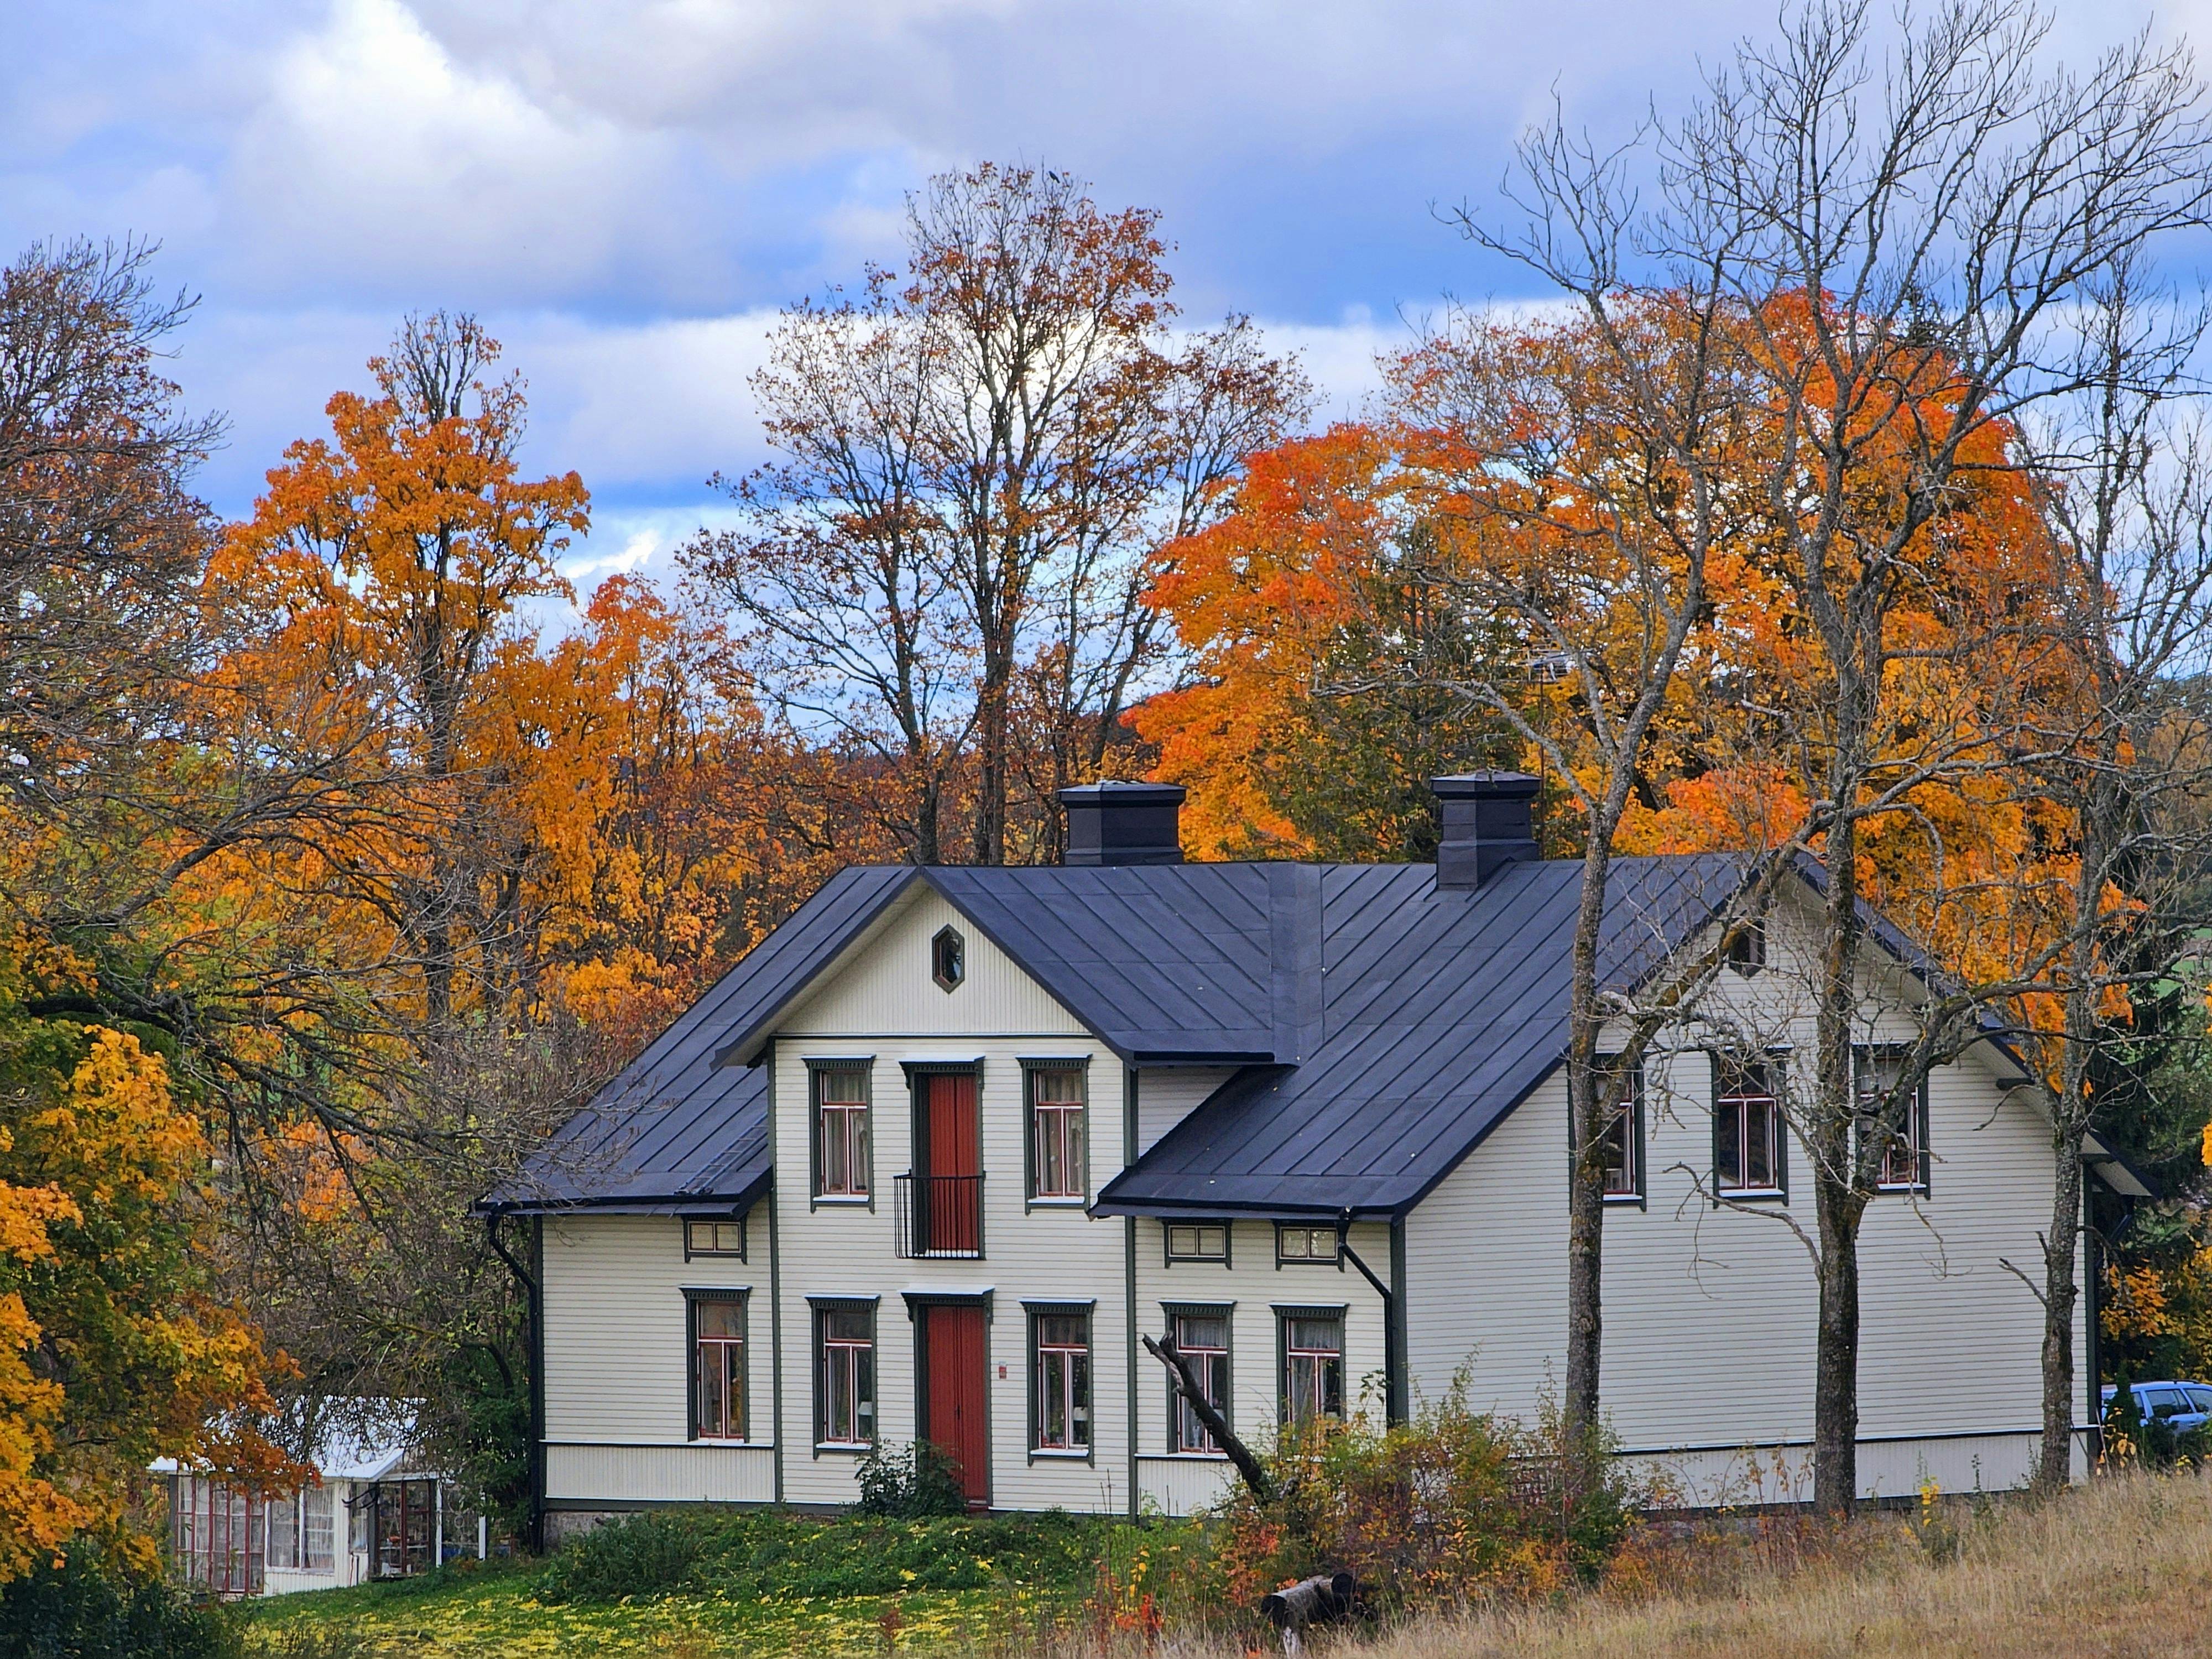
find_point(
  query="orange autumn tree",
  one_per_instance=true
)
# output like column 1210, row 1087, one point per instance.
column 1293, row 733
column 113, row 1349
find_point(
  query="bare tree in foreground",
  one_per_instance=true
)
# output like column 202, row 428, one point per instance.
column 1905, row 229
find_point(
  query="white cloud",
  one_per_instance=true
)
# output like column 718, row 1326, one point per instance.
column 375, row 156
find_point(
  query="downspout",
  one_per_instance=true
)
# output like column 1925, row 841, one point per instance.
column 1392, row 1361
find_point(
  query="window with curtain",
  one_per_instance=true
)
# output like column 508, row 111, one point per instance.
column 718, row 1367
column 1056, row 1138
column 1061, row 1366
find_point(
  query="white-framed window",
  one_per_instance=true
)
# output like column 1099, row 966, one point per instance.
column 284, row 1533
column 1057, row 1140
column 1197, row 1241
column 1747, row 1129
column 1313, row 1364
column 845, row 1370
column 1060, row 1362
column 841, row 1161
column 1874, row 1075
column 718, row 1367
column 1202, row 1335
column 1298, row 1244
column 711, row 1237
column 319, row 1534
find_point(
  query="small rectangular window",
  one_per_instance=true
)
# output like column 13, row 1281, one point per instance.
column 1746, row 951
column 1875, row 1073
column 1056, row 1136
column 1313, row 1367
column 1060, row 1363
column 1198, row 1240
column 842, row 1168
column 1303, row 1244
column 715, row 1238
column 284, row 1532
column 1621, row 1150
column 845, row 1365
column 1747, row 1127
column 1203, row 1339
column 318, row 1530
column 718, row 1367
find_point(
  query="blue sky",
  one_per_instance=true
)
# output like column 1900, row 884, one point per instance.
column 627, row 192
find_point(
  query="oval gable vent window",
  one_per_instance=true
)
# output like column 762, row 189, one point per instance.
column 948, row 958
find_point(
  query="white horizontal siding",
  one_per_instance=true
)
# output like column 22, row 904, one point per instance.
column 1168, row 1094
column 617, row 1368
column 662, row 1475
column 1257, row 1287
column 1182, row 1486
column 884, row 985
column 887, row 1007
column 1710, row 1314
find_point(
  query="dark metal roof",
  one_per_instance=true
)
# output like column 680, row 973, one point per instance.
column 675, row 1127
column 1385, row 1023
column 1443, row 1007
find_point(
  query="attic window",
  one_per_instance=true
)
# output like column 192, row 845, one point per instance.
column 948, row 958
column 1746, row 951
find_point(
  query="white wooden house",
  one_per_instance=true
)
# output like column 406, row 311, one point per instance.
column 933, row 1159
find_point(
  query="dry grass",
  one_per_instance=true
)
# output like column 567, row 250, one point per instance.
column 2124, row 1567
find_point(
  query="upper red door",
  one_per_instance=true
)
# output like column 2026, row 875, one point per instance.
column 959, row 1421
column 955, row 1148
column 952, row 1195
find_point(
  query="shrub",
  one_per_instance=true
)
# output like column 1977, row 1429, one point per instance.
column 647, row 1554
column 916, row 1479
column 756, row 1552
column 1452, row 1509
column 98, row 1604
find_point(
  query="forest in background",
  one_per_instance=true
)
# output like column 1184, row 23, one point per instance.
column 336, row 876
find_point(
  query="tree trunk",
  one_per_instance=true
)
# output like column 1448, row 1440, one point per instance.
column 2062, row 1292
column 1839, row 1189
column 1585, row 1190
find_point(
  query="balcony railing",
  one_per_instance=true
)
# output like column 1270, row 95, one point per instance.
column 938, row 1216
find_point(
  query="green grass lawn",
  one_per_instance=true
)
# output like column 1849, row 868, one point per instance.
column 496, row 1613
column 758, row 1585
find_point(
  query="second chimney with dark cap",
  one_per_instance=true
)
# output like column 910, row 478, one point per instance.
column 1123, row 824
column 1489, row 822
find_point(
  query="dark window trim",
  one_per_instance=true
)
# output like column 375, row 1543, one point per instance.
column 815, row 1198
column 1754, row 938
column 816, row 1307
column 918, row 1073
column 1285, row 1312
column 1771, row 1059
column 1226, row 1313
column 1924, row 1186
column 1031, row 1064
column 948, row 983
column 1638, row 1197
column 1335, row 1260
column 1042, row 1308
column 1227, row 1258
column 693, row 1296
column 744, row 1237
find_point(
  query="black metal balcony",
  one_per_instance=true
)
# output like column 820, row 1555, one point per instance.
column 940, row 1218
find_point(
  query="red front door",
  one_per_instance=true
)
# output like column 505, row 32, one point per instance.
column 954, row 1195
column 957, row 1416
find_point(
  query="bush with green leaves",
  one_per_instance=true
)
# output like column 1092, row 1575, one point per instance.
column 743, row 1553
column 96, row 1604
column 911, row 1482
